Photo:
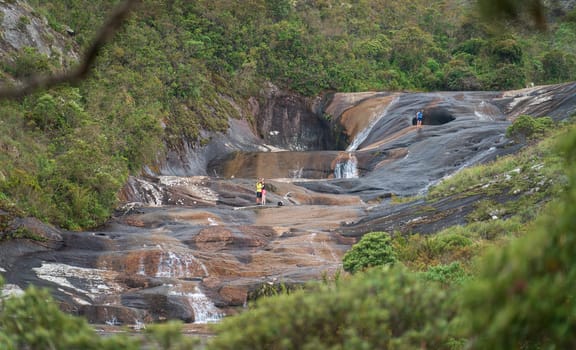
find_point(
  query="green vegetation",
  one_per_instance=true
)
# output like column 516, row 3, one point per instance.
column 526, row 128
column 375, row 249
column 534, row 173
column 443, row 291
column 34, row 321
column 379, row 309
column 174, row 68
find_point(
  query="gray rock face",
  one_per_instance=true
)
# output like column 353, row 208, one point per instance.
column 392, row 155
column 291, row 122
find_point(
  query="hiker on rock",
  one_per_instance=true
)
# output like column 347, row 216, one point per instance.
column 259, row 189
column 419, row 117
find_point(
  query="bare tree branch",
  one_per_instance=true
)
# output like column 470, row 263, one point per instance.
column 108, row 29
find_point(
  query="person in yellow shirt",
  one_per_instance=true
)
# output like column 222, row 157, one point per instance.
column 259, row 190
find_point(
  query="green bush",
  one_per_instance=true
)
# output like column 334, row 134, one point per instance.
column 449, row 241
column 452, row 274
column 526, row 127
column 169, row 336
column 29, row 62
column 459, row 76
column 374, row 249
column 505, row 76
column 507, row 50
column 557, row 66
column 383, row 308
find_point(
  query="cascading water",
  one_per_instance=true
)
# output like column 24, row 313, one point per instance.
column 487, row 112
column 146, row 192
column 346, row 167
column 297, row 174
column 204, row 310
column 363, row 135
column 172, row 265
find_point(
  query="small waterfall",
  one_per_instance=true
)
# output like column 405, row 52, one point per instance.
column 113, row 321
column 346, row 167
column 141, row 267
column 171, row 265
column 204, row 309
column 296, row 174
column 363, row 135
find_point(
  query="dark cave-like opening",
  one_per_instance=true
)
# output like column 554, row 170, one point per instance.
column 435, row 116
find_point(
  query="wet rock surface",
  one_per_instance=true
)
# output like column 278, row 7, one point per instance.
column 194, row 247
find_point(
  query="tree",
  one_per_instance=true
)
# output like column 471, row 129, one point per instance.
column 557, row 66
column 374, row 249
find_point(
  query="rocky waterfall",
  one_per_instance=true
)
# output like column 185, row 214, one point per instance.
column 184, row 245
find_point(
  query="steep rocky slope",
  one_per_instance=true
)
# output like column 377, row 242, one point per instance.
column 23, row 28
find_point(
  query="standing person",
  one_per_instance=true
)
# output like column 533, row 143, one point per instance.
column 263, row 192
column 259, row 188
column 419, row 117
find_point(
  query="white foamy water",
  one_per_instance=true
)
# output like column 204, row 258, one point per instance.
column 173, row 265
column 150, row 193
column 204, row 309
column 487, row 112
column 297, row 173
column 346, row 168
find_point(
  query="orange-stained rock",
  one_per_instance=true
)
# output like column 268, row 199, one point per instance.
column 234, row 295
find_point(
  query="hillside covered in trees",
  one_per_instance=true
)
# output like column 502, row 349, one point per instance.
column 177, row 68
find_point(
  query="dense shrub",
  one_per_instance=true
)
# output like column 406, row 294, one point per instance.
column 374, row 249
column 459, row 76
column 523, row 297
column 508, row 51
column 451, row 274
column 558, row 66
column 526, row 128
column 505, row 77
column 383, row 308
